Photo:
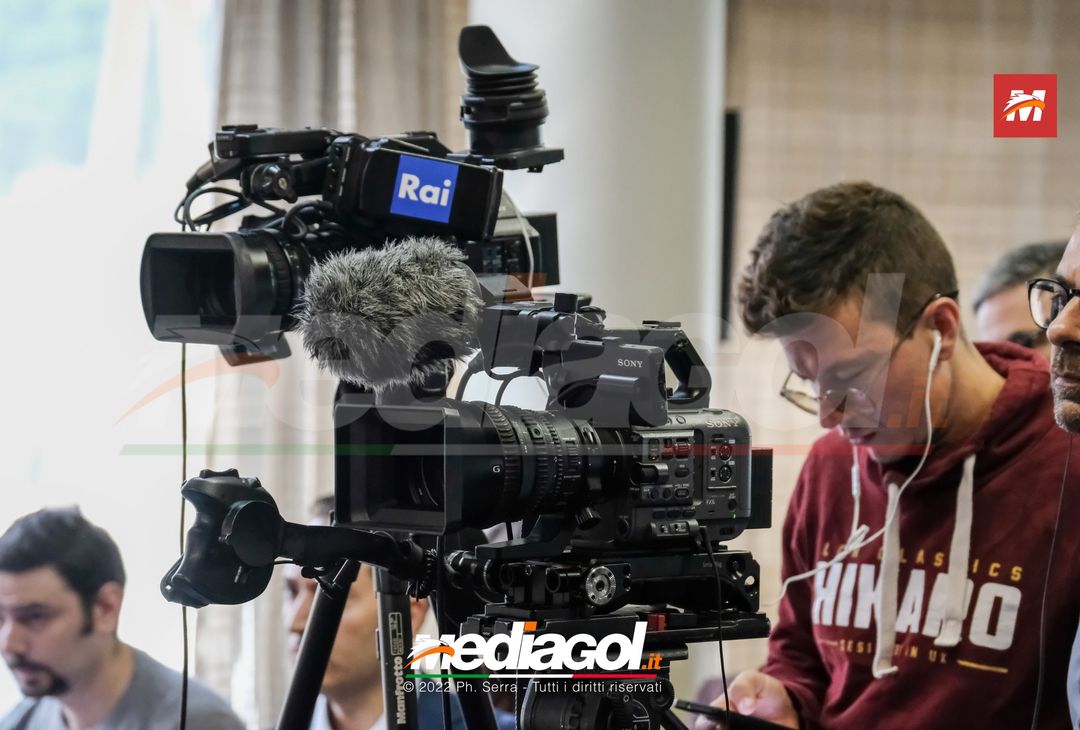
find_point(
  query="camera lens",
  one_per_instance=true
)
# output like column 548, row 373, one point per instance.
column 212, row 294
column 511, row 463
column 546, row 460
column 438, row 469
column 233, row 289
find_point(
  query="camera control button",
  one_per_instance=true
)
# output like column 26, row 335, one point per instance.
column 652, row 473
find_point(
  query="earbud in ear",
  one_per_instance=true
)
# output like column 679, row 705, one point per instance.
column 936, row 352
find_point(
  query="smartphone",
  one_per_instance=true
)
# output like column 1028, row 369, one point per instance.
column 731, row 720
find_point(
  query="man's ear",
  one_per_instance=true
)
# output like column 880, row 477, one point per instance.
column 419, row 613
column 105, row 611
column 944, row 316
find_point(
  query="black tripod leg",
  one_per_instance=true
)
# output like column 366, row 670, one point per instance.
column 476, row 705
column 670, row 721
column 393, row 642
column 315, row 648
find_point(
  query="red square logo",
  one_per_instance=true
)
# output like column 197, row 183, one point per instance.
column 1025, row 105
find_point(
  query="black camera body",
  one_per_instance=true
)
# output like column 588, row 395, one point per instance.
column 619, row 468
column 405, row 468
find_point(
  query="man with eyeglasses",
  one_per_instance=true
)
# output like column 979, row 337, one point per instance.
column 1054, row 311
column 917, row 540
column 1001, row 298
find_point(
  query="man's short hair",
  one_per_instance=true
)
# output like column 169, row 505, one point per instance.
column 816, row 252
column 81, row 552
column 1017, row 267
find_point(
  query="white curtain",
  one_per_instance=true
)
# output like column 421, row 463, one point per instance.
column 90, row 400
column 366, row 66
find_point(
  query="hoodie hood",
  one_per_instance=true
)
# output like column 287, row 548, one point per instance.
column 1024, row 373
column 1002, row 435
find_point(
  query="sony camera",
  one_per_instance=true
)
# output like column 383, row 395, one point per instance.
column 619, row 467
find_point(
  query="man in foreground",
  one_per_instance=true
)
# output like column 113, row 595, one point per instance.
column 61, row 590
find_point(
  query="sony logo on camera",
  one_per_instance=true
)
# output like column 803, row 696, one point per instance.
column 424, row 188
column 624, row 363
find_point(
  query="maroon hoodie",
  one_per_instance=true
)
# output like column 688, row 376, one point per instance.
column 822, row 647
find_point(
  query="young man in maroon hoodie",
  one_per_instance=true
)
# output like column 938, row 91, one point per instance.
column 923, row 594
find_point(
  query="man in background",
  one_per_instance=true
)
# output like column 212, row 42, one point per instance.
column 1001, row 298
column 351, row 697
column 61, row 590
column 1054, row 311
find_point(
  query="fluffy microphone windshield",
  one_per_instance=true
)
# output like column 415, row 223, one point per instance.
column 390, row 316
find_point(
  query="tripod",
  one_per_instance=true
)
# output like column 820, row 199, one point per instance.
column 586, row 704
column 393, row 640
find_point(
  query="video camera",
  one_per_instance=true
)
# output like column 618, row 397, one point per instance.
column 239, row 289
column 618, row 466
column 623, row 489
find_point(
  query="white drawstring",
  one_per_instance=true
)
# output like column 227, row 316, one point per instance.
column 959, row 554
column 887, row 592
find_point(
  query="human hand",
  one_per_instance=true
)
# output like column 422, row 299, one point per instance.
column 757, row 695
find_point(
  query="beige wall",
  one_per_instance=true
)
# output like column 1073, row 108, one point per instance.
column 898, row 93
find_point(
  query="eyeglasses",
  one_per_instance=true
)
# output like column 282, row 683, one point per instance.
column 855, row 397
column 1047, row 297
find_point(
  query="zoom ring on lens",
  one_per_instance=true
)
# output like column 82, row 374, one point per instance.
column 282, row 283
column 558, row 462
column 573, row 464
column 546, row 457
column 566, row 460
column 511, row 457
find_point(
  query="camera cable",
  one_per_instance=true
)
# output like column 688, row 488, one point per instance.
column 183, row 509
column 1046, row 590
column 442, row 622
column 237, row 204
column 858, row 537
column 502, row 390
column 719, row 607
column 525, row 238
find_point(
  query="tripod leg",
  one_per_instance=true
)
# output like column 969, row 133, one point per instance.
column 393, row 642
column 475, row 705
column 670, row 721
column 315, row 649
